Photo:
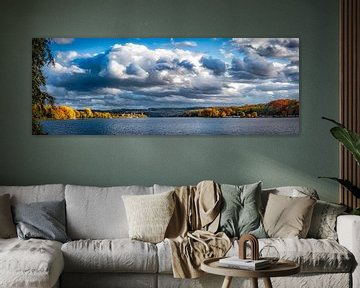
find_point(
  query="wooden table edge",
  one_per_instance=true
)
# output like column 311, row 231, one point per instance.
column 293, row 268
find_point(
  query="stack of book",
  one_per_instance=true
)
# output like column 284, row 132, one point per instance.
column 248, row 264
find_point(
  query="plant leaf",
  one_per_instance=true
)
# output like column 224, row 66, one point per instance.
column 347, row 184
column 349, row 139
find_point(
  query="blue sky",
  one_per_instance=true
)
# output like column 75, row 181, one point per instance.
column 140, row 73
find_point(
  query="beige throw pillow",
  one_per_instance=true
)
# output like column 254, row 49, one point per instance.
column 7, row 226
column 149, row 215
column 288, row 217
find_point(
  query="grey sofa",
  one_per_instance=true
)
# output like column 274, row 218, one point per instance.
column 101, row 254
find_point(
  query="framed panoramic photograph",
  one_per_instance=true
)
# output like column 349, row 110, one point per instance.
column 165, row 86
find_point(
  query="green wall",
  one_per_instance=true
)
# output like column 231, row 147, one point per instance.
column 110, row 160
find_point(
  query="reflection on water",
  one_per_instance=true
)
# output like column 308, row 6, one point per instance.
column 174, row 126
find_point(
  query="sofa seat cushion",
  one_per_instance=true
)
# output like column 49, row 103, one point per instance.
column 115, row 255
column 313, row 255
column 30, row 263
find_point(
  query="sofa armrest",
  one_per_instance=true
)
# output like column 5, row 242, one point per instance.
column 348, row 230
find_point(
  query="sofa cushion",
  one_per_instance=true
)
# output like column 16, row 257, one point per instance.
column 98, row 213
column 36, row 193
column 109, row 280
column 30, row 263
column 43, row 220
column 313, row 255
column 163, row 188
column 323, row 222
column 240, row 210
column 291, row 191
column 149, row 215
column 287, row 216
column 117, row 255
column 7, row 226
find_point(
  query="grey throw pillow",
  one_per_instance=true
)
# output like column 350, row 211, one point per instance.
column 7, row 226
column 44, row 220
column 323, row 222
column 240, row 213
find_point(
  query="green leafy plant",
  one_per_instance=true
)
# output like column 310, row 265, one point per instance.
column 351, row 141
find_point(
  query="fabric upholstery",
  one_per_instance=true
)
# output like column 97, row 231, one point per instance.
column 192, row 227
column 117, row 255
column 348, row 229
column 7, row 226
column 240, row 212
column 287, row 216
column 148, row 216
column 162, row 188
column 36, row 193
column 313, row 255
column 44, row 220
column 108, row 280
column 323, row 222
column 291, row 191
column 30, row 263
column 330, row 280
column 98, row 213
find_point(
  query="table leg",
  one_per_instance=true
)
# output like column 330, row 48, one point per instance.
column 254, row 282
column 267, row 283
column 227, row 282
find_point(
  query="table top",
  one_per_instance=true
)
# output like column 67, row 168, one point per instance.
column 281, row 268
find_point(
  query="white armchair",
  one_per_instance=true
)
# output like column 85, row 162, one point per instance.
column 348, row 229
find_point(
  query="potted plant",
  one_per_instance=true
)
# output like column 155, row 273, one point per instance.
column 351, row 141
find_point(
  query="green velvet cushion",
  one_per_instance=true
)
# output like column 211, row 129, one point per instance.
column 240, row 213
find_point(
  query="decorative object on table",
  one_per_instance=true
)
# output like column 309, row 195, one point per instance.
column 269, row 253
column 351, row 142
column 254, row 246
column 165, row 86
column 247, row 264
column 241, row 261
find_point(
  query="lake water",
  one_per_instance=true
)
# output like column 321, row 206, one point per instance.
column 173, row 126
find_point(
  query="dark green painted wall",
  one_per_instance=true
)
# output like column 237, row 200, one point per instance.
column 105, row 160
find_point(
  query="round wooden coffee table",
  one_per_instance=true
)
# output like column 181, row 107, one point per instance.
column 281, row 268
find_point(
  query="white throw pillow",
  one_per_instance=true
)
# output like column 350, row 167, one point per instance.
column 149, row 215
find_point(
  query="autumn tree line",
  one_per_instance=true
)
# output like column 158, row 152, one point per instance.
column 276, row 108
column 66, row 112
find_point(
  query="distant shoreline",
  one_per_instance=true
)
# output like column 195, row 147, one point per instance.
column 281, row 108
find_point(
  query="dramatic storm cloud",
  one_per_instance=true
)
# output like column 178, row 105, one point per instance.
column 106, row 74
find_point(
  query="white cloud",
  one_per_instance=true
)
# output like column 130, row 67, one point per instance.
column 72, row 69
column 134, row 75
column 68, row 56
column 63, row 40
column 183, row 43
column 269, row 47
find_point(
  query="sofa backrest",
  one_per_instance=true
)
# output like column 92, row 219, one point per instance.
column 35, row 193
column 98, row 212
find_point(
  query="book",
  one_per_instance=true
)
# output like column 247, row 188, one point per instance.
column 248, row 264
